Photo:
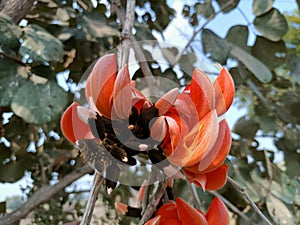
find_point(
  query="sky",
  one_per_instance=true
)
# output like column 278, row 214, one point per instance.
column 220, row 25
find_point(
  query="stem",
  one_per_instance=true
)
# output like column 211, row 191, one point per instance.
column 252, row 203
column 88, row 213
column 153, row 204
column 197, row 203
column 126, row 32
column 196, row 32
column 44, row 194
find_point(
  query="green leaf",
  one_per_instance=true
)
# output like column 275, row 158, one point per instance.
column 215, row 47
column 39, row 103
column 260, row 71
column 205, row 9
column 40, row 45
column 94, row 26
column 271, row 53
column 279, row 212
column 187, row 61
column 12, row 77
column 9, row 33
column 238, row 35
column 260, row 7
column 271, row 25
column 246, row 127
column 227, row 6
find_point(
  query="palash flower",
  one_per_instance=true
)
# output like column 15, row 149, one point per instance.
column 181, row 213
column 198, row 138
column 118, row 117
column 187, row 128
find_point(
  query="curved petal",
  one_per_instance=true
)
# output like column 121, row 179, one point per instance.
column 213, row 180
column 218, row 153
column 168, row 212
column 186, row 109
column 189, row 215
column 158, row 130
column 224, row 91
column 122, row 95
column 100, row 84
column 202, row 93
column 73, row 128
column 121, row 208
column 153, row 221
column 198, row 141
column 217, row 213
column 165, row 102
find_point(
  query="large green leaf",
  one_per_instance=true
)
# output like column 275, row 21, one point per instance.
column 94, row 26
column 39, row 103
column 246, row 127
column 279, row 212
column 11, row 79
column 227, row 6
column 238, row 35
column 271, row 25
column 40, row 46
column 271, row 53
column 260, row 71
column 260, row 7
column 9, row 32
column 215, row 47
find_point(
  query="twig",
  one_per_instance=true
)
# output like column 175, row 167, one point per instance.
column 44, row 194
column 126, row 32
column 15, row 59
column 196, row 32
column 88, row 213
column 196, row 199
column 252, row 203
column 153, row 204
column 233, row 207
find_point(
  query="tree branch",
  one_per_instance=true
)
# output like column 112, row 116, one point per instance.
column 252, row 203
column 44, row 194
column 88, row 213
column 16, row 9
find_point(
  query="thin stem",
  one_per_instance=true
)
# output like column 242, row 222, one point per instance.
column 197, row 203
column 126, row 32
column 196, row 32
column 153, row 204
column 88, row 213
column 252, row 203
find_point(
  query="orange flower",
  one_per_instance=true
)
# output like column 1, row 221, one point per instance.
column 181, row 213
column 198, row 137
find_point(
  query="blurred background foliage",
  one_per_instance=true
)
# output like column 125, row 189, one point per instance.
column 44, row 55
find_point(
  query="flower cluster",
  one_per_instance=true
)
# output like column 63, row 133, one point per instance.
column 186, row 130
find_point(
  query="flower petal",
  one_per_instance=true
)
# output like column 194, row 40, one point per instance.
column 217, row 213
column 153, row 221
column 213, row 180
column 168, row 211
column 73, row 128
column 122, row 95
column 100, row 84
column 224, row 91
column 198, row 141
column 189, row 215
column 158, row 130
column 202, row 93
column 218, row 153
column 165, row 102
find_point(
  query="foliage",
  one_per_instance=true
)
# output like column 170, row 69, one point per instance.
column 43, row 58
